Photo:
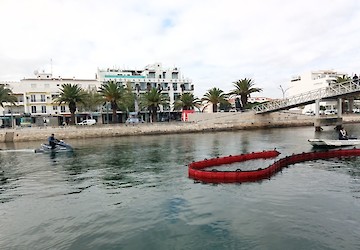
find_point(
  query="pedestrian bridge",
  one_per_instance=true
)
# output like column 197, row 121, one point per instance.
column 334, row 91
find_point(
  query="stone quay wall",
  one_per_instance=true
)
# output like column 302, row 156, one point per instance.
column 198, row 122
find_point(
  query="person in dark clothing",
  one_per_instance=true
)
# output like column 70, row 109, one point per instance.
column 355, row 78
column 343, row 134
column 52, row 141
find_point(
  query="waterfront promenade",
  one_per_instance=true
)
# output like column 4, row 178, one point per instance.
column 198, row 123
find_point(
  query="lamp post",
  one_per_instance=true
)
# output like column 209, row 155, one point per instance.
column 284, row 90
column 107, row 112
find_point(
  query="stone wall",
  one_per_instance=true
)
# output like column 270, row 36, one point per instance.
column 199, row 122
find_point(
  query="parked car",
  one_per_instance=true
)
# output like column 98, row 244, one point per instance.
column 133, row 120
column 309, row 112
column 330, row 112
column 87, row 122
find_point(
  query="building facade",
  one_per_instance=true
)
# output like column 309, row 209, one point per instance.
column 314, row 80
column 169, row 80
column 36, row 96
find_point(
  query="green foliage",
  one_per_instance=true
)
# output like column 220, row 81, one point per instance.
column 91, row 101
column 113, row 93
column 343, row 78
column 71, row 94
column 152, row 101
column 187, row 101
column 215, row 96
column 6, row 95
column 244, row 88
column 226, row 106
column 127, row 102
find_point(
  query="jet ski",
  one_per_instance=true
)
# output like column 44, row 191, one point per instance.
column 61, row 146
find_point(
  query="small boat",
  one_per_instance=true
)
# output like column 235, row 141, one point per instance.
column 61, row 146
column 333, row 143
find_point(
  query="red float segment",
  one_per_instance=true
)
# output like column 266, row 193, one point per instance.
column 196, row 171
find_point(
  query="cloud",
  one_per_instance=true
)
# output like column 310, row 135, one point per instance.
column 215, row 43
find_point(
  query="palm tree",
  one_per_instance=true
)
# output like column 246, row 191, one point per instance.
column 187, row 101
column 127, row 102
column 215, row 96
column 6, row 96
column 343, row 78
column 113, row 93
column 71, row 94
column 244, row 88
column 152, row 100
column 92, row 100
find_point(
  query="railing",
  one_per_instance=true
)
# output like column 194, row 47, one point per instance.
column 332, row 91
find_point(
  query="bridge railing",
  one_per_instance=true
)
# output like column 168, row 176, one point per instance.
column 333, row 90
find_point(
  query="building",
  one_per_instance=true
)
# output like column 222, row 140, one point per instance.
column 169, row 80
column 314, row 80
column 36, row 95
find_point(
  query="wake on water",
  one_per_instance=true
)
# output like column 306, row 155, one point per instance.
column 26, row 150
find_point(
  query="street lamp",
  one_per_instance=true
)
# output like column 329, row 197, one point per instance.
column 107, row 112
column 284, row 90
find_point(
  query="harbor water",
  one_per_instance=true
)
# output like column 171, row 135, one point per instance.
column 134, row 193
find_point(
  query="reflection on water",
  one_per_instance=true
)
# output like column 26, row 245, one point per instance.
column 134, row 193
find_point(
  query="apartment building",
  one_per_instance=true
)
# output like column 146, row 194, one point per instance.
column 169, row 80
column 36, row 94
column 314, row 80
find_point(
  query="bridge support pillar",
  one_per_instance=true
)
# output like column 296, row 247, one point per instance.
column 340, row 107
column 317, row 108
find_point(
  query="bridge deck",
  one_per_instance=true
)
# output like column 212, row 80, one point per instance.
column 335, row 90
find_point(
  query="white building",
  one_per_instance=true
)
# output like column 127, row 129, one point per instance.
column 36, row 98
column 170, row 80
column 314, row 80
column 36, row 95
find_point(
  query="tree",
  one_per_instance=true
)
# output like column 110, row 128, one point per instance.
column 152, row 101
column 92, row 100
column 127, row 102
column 244, row 88
column 215, row 96
column 112, row 92
column 343, row 78
column 6, row 95
column 71, row 94
column 186, row 101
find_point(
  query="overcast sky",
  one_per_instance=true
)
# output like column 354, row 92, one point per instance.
column 213, row 42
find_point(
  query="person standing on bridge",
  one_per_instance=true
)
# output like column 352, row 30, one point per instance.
column 356, row 79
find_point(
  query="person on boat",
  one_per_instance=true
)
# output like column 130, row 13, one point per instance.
column 52, row 141
column 343, row 134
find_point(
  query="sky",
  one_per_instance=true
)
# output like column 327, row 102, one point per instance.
column 213, row 42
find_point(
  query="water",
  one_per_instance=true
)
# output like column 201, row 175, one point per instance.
column 134, row 193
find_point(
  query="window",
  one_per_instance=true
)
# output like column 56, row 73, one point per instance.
column 42, row 98
column 43, row 109
column 175, row 86
column 33, row 109
column 55, row 107
column 174, row 75
column 62, row 109
column 176, row 96
column 33, row 98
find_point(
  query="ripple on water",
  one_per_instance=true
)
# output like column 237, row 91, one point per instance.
column 134, row 193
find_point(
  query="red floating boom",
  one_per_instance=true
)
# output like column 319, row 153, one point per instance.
column 197, row 172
